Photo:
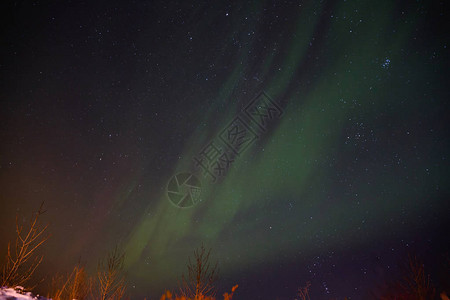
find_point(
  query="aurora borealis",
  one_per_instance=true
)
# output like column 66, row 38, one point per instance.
column 103, row 102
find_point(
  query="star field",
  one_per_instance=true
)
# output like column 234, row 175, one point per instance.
column 104, row 102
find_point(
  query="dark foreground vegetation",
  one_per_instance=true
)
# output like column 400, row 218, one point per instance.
column 198, row 283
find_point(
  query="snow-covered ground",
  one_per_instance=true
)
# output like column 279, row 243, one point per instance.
column 13, row 294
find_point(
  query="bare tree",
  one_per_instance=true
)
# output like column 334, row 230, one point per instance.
column 111, row 282
column 416, row 282
column 226, row 296
column 303, row 292
column 15, row 270
column 76, row 286
column 201, row 276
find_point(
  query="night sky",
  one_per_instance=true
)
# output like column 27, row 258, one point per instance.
column 103, row 102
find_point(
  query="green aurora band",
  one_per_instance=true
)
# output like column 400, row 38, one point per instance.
column 322, row 92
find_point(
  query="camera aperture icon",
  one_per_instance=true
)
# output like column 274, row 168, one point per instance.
column 184, row 190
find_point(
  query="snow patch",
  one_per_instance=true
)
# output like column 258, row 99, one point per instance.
column 18, row 294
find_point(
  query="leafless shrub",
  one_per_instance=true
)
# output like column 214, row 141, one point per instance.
column 22, row 261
